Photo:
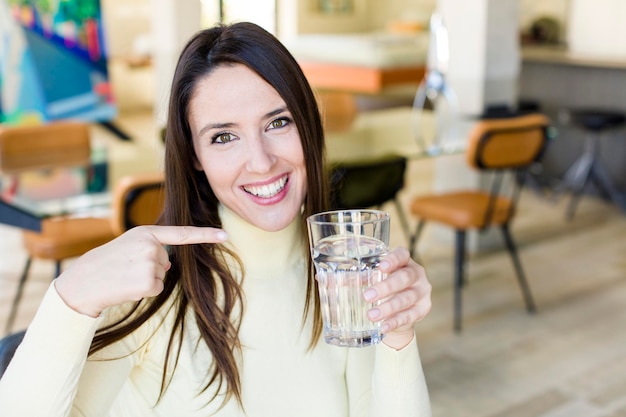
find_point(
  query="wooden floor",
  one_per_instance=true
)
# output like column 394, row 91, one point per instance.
column 567, row 360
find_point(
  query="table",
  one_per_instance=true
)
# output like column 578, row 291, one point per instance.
column 29, row 197
column 384, row 132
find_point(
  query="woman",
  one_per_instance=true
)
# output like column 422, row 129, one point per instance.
column 226, row 320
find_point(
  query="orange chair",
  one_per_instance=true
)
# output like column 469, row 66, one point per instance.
column 496, row 146
column 338, row 110
column 46, row 146
column 137, row 200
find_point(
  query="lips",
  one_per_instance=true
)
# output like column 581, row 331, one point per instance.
column 267, row 190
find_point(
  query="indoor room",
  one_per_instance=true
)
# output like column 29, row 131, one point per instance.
column 526, row 321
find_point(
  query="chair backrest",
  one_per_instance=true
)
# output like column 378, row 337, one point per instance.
column 8, row 346
column 367, row 183
column 503, row 144
column 42, row 146
column 338, row 110
column 137, row 200
column 507, row 143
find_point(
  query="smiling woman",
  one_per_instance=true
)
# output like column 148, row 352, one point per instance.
column 215, row 310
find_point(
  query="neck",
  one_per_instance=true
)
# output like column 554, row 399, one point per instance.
column 265, row 253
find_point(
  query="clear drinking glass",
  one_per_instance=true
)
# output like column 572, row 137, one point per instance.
column 346, row 247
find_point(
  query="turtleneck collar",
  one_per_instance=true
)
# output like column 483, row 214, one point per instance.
column 263, row 253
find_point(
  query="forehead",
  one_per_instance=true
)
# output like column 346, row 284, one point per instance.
column 232, row 88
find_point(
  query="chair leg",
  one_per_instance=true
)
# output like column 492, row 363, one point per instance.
column 18, row 297
column 508, row 240
column 578, row 175
column 413, row 240
column 403, row 221
column 600, row 176
column 459, row 263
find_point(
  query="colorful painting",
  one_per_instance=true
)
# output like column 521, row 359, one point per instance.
column 53, row 62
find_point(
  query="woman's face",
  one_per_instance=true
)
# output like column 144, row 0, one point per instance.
column 248, row 145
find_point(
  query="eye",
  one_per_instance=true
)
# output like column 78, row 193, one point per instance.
column 223, row 137
column 278, row 123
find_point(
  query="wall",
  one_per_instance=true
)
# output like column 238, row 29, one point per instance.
column 311, row 20
column 367, row 16
column 375, row 15
column 131, row 18
column 127, row 22
column 597, row 27
column 383, row 12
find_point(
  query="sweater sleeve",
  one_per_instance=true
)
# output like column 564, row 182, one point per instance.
column 45, row 373
column 399, row 386
column 42, row 377
column 396, row 386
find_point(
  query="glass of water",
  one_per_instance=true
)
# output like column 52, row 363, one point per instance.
column 347, row 246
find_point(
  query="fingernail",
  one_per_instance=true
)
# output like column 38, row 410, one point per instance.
column 384, row 265
column 373, row 314
column 386, row 328
column 221, row 235
column 369, row 294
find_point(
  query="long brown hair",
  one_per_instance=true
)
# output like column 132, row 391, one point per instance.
column 199, row 277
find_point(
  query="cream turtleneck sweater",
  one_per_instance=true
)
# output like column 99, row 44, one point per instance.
column 51, row 375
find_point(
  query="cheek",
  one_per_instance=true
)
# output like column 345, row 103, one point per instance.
column 218, row 172
column 220, row 184
column 298, row 161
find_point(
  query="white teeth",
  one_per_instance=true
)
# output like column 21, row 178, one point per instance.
column 267, row 191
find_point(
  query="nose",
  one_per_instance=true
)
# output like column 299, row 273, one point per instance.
column 260, row 155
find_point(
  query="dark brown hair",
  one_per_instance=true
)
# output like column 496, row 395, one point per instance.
column 199, row 277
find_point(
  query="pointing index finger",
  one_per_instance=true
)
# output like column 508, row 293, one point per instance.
column 187, row 235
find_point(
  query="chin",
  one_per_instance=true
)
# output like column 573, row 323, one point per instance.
column 274, row 224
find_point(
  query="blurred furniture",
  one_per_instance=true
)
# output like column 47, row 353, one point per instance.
column 560, row 78
column 337, row 109
column 369, row 183
column 359, row 79
column 8, row 346
column 45, row 147
column 495, row 146
column 137, row 200
column 377, row 133
column 42, row 168
column 361, row 63
column 588, row 167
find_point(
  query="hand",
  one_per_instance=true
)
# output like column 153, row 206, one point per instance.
column 128, row 268
column 406, row 294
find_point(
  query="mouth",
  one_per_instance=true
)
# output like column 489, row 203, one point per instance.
column 267, row 190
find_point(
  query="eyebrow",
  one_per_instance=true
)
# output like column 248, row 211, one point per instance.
column 212, row 126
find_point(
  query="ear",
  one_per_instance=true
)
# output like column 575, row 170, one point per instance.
column 196, row 164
